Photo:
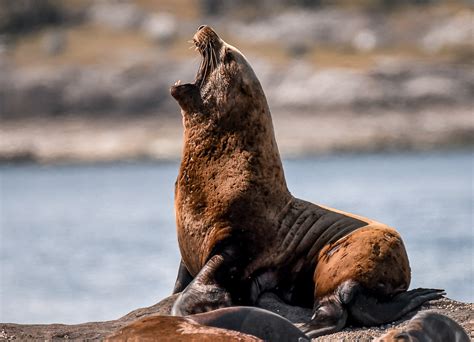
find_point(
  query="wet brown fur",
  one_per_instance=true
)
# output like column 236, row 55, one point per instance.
column 373, row 255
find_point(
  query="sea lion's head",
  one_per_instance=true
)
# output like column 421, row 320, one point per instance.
column 225, row 86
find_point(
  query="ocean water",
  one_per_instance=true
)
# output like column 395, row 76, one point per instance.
column 89, row 243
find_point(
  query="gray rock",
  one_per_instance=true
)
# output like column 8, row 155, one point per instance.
column 54, row 42
column 323, row 26
column 116, row 14
column 365, row 40
column 434, row 88
column 456, row 30
column 303, row 87
column 161, row 27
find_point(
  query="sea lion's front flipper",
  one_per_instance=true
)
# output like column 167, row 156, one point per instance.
column 183, row 279
column 204, row 293
column 330, row 313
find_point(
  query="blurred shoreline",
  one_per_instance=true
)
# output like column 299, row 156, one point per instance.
column 88, row 81
column 83, row 139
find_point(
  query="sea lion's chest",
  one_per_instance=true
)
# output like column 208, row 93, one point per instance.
column 210, row 197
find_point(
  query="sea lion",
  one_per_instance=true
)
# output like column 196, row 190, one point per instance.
column 258, row 322
column 171, row 328
column 247, row 323
column 427, row 326
column 241, row 232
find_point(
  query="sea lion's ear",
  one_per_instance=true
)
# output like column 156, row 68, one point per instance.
column 188, row 97
column 245, row 89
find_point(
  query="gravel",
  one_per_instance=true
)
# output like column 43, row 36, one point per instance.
column 462, row 313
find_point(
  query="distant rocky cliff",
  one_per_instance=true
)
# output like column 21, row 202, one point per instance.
column 143, row 89
column 89, row 80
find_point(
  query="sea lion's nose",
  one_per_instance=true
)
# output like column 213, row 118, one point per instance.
column 201, row 27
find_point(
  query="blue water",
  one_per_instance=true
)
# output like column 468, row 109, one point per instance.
column 87, row 243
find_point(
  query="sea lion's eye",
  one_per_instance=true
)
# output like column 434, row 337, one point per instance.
column 228, row 57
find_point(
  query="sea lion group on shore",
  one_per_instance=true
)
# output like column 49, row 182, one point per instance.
column 249, row 324
column 241, row 233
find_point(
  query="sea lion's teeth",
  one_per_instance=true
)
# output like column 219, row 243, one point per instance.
column 178, row 82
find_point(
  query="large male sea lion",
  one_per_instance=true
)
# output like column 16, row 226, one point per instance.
column 241, row 232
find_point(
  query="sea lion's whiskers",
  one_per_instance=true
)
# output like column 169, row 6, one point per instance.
column 210, row 63
column 206, row 63
column 193, row 44
column 200, row 71
column 214, row 57
column 202, row 65
column 212, row 54
column 209, row 52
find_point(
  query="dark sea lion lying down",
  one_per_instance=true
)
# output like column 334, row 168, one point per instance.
column 247, row 323
column 242, row 233
column 428, row 326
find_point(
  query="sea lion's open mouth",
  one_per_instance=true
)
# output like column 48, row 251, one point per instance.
column 208, row 44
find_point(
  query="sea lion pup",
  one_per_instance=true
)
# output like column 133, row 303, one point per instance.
column 427, row 326
column 252, row 324
column 241, row 232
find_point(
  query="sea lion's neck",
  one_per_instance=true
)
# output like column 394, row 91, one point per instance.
column 239, row 140
column 230, row 185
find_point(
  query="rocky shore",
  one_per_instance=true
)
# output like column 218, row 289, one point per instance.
column 462, row 313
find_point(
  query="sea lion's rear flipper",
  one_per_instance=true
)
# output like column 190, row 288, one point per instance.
column 183, row 279
column 204, row 293
column 351, row 300
column 369, row 310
